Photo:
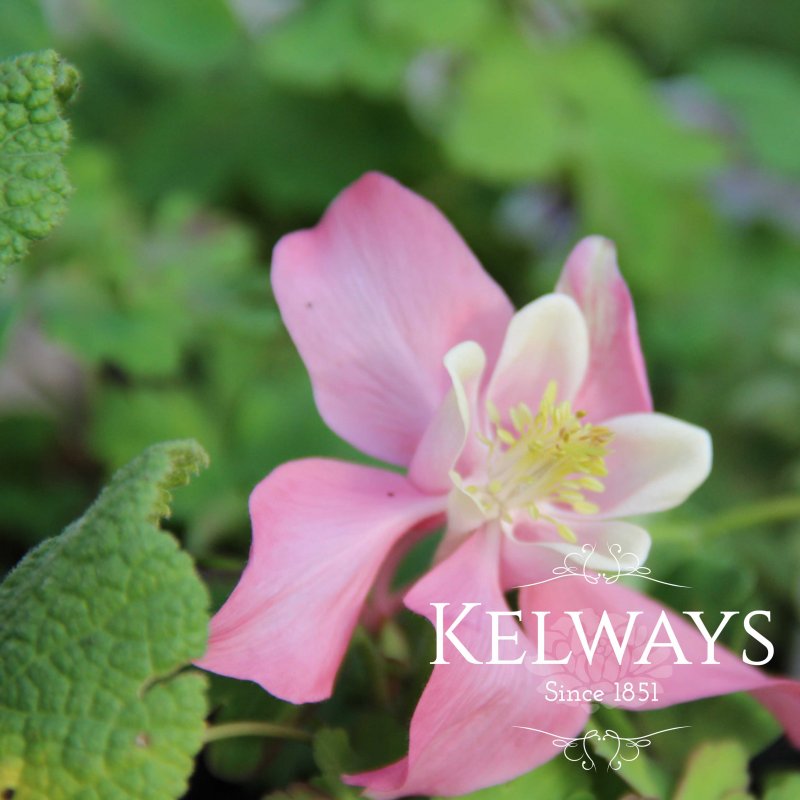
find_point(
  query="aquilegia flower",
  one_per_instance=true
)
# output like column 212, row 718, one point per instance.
column 528, row 434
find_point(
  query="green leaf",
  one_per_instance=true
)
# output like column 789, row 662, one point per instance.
column 127, row 419
column 642, row 773
column 523, row 112
column 783, row 787
column 334, row 758
column 556, row 780
column 122, row 310
column 183, row 34
column 94, row 624
column 506, row 122
column 610, row 96
column 735, row 716
column 763, row 90
column 434, row 22
column 330, row 43
column 33, row 137
column 716, row 771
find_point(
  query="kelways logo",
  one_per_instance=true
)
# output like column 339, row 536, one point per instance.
column 590, row 656
column 596, row 642
column 617, row 636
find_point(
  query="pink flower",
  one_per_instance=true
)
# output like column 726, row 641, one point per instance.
column 417, row 358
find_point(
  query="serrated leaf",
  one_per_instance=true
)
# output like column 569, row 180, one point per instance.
column 716, row 771
column 33, row 137
column 93, row 626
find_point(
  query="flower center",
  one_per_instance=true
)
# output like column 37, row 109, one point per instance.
column 550, row 457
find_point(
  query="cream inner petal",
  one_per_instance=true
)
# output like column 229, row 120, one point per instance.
column 656, row 462
column 547, row 340
column 609, row 546
column 449, row 437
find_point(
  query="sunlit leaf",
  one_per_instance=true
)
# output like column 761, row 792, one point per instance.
column 715, row 771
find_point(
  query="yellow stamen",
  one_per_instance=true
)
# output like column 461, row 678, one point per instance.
column 550, row 457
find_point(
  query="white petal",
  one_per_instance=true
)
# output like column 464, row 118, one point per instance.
column 546, row 340
column 607, row 545
column 655, row 462
column 447, row 435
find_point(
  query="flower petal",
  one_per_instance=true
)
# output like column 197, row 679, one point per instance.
column 464, row 732
column 655, row 462
column 616, row 381
column 546, row 340
column 446, row 437
column 677, row 683
column 374, row 297
column 321, row 530
column 536, row 549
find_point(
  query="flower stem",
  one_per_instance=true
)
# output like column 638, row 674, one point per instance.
column 376, row 666
column 231, row 730
column 776, row 509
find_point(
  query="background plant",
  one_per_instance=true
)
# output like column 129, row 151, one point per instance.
column 204, row 130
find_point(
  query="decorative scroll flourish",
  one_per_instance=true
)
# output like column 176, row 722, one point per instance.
column 627, row 564
column 576, row 748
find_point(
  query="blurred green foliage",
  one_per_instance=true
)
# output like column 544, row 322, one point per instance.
column 206, row 129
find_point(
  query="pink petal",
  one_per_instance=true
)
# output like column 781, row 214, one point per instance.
column 655, row 462
column 374, row 297
column 677, row 683
column 463, row 735
column 546, row 340
column 321, row 530
column 616, row 382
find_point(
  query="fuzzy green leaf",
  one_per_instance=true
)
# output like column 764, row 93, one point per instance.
column 33, row 137
column 94, row 625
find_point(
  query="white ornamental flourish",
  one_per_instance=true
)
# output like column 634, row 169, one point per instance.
column 627, row 565
column 627, row 748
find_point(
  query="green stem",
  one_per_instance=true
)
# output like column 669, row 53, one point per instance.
column 221, row 563
column 776, row 509
column 376, row 665
column 232, row 730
